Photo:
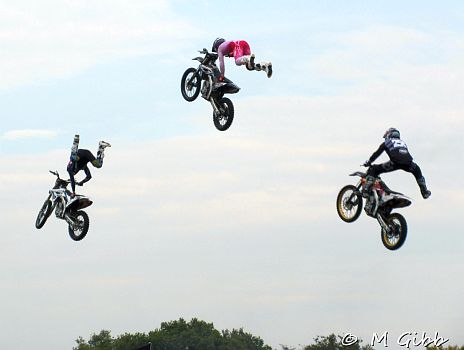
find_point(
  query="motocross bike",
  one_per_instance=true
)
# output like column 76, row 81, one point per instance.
column 66, row 208
column 379, row 204
column 212, row 90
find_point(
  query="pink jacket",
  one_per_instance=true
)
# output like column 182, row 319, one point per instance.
column 234, row 49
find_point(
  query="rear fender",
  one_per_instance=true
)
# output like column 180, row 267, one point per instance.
column 228, row 88
column 396, row 200
column 79, row 202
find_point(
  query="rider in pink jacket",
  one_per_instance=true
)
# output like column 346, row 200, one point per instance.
column 240, row 50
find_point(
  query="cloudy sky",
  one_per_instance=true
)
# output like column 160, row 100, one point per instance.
column 238, row 228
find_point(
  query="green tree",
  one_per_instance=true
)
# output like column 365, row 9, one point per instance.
column 238, row 339
column 182, row 335
column 129, row 341
column 176, row 335
column 101, row 341
column 449, row 347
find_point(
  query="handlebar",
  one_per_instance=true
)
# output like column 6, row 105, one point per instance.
column 58, row 176
column 207, row 53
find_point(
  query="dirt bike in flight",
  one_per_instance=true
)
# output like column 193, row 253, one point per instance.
column 212, row 90
column 380, row 203
column 66, row 208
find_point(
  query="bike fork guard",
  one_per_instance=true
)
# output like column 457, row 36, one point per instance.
column 382, row 223
column 216, row 108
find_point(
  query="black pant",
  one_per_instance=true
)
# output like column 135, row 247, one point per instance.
column 377, row 169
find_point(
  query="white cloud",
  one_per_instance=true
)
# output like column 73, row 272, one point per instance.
column 54, row 39
column 28, row 134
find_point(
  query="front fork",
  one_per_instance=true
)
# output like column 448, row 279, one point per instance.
column 382, row 223
column 208, row 96
column 71, row 221
column 216, row 109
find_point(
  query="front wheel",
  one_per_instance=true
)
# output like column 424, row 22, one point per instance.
column 79, row 229
column 190, row 85
column 395, row 237
column 44, row 213
column 349, row 203
column 223, row 120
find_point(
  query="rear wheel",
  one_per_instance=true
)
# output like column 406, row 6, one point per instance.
column 44, row 213
column 79, row 229
column 395, row 237
column 224, row 120
column 349, row 203
column 190, row 84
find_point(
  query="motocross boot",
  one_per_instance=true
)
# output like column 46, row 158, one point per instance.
column 265, row 66
column 423, row 188
column 74, row 148
column 268, row 69
column 251, row 65
column 366, row 190
column 101, row 149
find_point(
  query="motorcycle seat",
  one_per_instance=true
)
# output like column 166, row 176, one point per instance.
column 389, row 190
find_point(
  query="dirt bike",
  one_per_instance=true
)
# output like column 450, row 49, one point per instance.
column 379, row 204
column 212, row 90
column 66, row 208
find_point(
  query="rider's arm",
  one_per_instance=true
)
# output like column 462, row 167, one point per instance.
column 222, row 51
column 377, row 153
column 71, row 176
column 88, row 175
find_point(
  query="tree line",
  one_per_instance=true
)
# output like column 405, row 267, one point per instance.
column 200, row 335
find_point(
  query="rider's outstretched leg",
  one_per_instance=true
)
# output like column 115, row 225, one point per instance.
column 101, row 154
column 416, row 171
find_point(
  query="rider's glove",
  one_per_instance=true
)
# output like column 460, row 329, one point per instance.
column 80, row 183
column 221, row 78
column 367, row 163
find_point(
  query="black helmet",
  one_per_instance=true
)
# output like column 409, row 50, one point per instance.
column 216, row 44
column 392, row 133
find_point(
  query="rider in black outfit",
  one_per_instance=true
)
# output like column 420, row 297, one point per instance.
column 399, row 159
column 83, row 157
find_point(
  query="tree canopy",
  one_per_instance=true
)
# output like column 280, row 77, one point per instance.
column 176, row 335
column 200, row 335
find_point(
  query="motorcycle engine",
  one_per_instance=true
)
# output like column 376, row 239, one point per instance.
column 205, row 89
column 59, row 210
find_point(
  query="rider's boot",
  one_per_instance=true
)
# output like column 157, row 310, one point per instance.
column 368, row 186
column 423, row 188
column 74, row 148
column 251, row 66
column 265, row 66
column 268, row 69
column 101, row 149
